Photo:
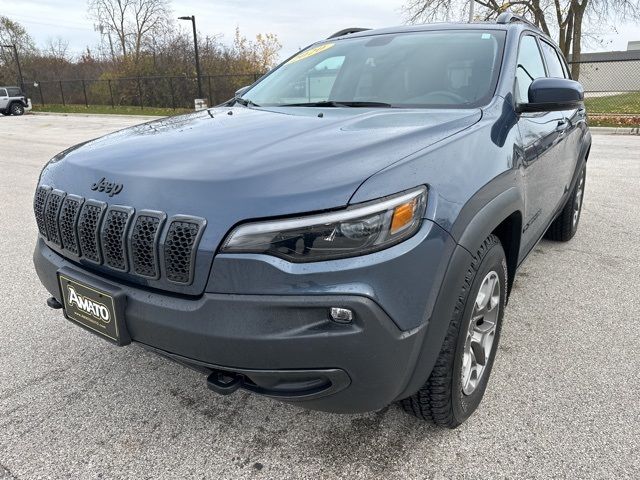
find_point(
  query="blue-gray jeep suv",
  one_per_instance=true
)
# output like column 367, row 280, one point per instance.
column 342, row 234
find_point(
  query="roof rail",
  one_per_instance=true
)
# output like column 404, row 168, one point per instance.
column 510, row 17
column 347, row 31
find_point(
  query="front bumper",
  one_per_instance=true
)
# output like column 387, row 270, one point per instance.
column 284, row 345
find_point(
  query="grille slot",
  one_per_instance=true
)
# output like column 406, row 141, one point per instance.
column 114, row 235
column 51, row 212
column 89, row 228
column 69, row 213
column 39, row 202
column 180, row 246
column 144, row 243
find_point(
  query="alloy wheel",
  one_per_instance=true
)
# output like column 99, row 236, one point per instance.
column 481, row 332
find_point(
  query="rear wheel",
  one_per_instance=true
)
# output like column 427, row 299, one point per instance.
column 16, row 109
column 565, row 226
column 459, row 378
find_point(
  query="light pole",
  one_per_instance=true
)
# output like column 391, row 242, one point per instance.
column 15, row 51
column 195, row 44
column 471, row 5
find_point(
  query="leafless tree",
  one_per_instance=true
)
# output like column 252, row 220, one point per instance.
column 57, row 48
column 567, row 20
column 12, row 33
column 131, row 21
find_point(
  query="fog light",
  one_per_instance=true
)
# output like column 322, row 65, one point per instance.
column 341, row 315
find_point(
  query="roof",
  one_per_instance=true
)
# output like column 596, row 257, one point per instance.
column 425, row 27
column 432, row 26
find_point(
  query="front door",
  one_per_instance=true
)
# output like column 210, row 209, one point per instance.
column 542, row 136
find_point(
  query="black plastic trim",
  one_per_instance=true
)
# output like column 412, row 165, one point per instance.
column 202, row 223
column 54, row 236
column 96, row 234
column 39, row 212
column 74, row 225
column 162, row 218
column 129, row 211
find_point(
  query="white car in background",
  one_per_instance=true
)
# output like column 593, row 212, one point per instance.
column 13, row 101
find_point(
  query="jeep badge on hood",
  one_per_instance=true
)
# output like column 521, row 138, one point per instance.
column 111, row 188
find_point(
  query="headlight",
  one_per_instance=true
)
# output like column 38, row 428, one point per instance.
column 357, row 230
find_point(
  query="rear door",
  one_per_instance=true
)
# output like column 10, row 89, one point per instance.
column 542, row 134
column 4, row 98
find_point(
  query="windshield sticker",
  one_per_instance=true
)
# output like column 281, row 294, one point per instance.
column 311, row 52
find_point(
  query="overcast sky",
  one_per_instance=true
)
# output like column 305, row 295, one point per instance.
column 296, row 22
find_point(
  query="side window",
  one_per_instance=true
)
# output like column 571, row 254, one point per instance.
column 3, row 92
column 14, row 92
column 553, row 62
column 529, row 67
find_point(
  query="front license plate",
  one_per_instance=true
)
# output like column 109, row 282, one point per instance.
column 94, row 308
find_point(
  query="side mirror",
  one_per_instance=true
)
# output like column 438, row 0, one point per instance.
column 552, row 94
column 241, row 91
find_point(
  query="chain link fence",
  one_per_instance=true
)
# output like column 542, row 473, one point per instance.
column 161, row 92
column 612, row 87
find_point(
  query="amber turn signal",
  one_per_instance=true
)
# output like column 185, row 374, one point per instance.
column 403, row 216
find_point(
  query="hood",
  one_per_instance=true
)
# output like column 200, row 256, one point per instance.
column 232, row 164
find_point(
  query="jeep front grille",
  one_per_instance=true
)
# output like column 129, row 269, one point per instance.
column 39, row 203
column 118, row 238
column 144, row 243
column 179, row 249
column 114, row 237
column 89, row 228
column 69, row 213
column 51, row 212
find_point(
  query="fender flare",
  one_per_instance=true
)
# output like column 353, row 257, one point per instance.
column 489, row 217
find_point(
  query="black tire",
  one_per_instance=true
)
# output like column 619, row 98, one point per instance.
column 565, row 226
column 442, row 400
column 16, row 109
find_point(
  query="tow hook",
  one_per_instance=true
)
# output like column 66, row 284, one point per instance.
column 224, row 383
column 53, row 303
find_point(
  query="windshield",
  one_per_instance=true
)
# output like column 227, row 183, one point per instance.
column 447, row 68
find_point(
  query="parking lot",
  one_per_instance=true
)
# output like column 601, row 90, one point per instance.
column 563, row 401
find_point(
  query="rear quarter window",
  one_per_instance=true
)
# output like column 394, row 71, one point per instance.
column 14, row 92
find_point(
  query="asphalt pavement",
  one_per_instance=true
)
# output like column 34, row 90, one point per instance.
column 563, row 400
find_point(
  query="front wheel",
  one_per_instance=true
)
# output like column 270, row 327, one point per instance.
column 17, row 109
column 461, row 373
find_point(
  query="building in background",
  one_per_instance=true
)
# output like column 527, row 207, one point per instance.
column 609, row 73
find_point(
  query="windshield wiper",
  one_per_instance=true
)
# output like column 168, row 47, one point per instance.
column 332, row 103
column 242, row 101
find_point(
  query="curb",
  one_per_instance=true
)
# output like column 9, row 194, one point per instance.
column 615, row 130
